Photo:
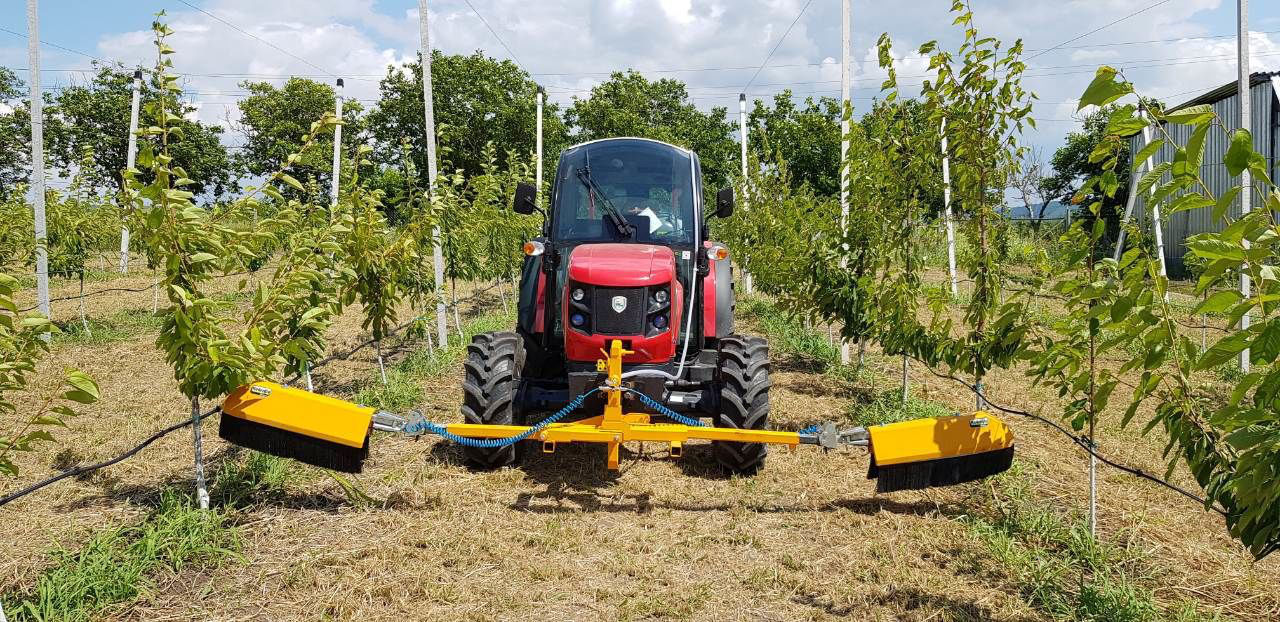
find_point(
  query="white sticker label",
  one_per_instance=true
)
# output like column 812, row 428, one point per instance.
column 684, row 254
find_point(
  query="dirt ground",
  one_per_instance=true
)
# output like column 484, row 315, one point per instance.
column 562, row 538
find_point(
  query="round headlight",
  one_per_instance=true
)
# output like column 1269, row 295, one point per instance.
column 578, row 294
column 577, row 319
column 660, row 296
column 660, row 322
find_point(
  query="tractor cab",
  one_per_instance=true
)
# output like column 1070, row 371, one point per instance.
column 624, row 255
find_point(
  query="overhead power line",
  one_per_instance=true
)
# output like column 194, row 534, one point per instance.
column 497, row 36
column 778, row 45
column 261, row 40
column 1098, row 29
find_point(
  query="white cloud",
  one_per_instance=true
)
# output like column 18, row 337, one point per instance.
column 580, row 40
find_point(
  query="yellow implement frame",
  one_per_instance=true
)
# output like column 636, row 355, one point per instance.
column 615, row 427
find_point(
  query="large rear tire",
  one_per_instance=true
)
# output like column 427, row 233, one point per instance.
column 491, row 379
column 744, row 401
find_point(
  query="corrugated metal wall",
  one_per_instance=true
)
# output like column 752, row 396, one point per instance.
column 1266, row 136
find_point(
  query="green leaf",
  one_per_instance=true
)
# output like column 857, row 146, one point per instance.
column 1104, row 89
column 288, row 179
column 1223, row 351
column 1219, row 302
column 1189, row 202
column 81, row 397
column 83, row 382
column 1224, row 203
column 1191, row 115
column 1148, row 150
column 1239, row 153
column 1266, row 346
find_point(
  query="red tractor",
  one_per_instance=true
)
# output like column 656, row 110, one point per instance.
column 624, row 255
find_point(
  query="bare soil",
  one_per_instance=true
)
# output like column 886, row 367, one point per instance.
column 562, row 538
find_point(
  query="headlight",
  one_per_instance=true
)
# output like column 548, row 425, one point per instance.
column 660, row 296
column 578, row 294
column 577, row 319
column 660, row 322
column 717, row 252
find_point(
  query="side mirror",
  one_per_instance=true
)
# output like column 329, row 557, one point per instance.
column 526, row 199
column 724, row 203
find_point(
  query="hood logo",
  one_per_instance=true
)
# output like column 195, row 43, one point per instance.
column 619, row 304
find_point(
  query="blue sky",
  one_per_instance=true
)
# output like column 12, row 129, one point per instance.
column 568, row 45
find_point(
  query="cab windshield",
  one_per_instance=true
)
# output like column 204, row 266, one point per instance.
column 624, row 190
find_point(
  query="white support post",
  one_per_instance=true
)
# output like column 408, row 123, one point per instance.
column 337, row 145
column 197, row 439
column 437, row 252
column 1246, row 122
column 946, row 201
column 846, row 59
column 538, row 147
column 130, row 159
column 1156, row 225
column 747, row 285
column 37, row 158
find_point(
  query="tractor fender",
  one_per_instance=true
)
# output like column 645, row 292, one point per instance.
column 717, row 299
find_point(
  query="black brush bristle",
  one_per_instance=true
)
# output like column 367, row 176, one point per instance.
column 286, row 444
column 941, row 472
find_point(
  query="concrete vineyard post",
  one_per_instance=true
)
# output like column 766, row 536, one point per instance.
column 37, row 158
column 845, row 111
column 538, row 147
column 1246, row 114
column 437, row 252
column 337, row 144
column 747, row 285
column 130, row 158
column 946, row 202
column 197, row 438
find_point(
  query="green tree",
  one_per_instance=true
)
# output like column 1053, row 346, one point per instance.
column 96, row 117
column 806, row 137
column 628, row 104
column 274, row 121
column 15, row 134
column 1072, row 168
column 477, row 101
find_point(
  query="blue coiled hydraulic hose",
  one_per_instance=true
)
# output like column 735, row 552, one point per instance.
column 419, row 426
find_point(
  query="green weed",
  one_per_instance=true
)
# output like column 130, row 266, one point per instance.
column 254, row 476
column 888, row 407
column 403, row 389
column 788, row 336
column 119, row 565
column 119, row 326
column 1059, row 568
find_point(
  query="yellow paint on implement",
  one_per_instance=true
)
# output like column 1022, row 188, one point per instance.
column 301, row 412
column 933, row 439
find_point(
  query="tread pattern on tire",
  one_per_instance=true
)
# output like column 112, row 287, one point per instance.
column 491, row 375
column 744, row 401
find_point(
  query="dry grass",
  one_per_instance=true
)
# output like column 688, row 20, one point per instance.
column 561, row 538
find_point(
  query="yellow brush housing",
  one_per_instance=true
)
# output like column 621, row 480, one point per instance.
column 297, row 424
column 934, row 439
column 301, row 412
column 938, row 452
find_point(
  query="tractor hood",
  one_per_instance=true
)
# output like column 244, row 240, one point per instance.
column 621, row 265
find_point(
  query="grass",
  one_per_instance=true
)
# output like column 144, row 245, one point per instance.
column 888, row 407
column 788, row 335
column 254, row 477
column 121, row 565
column 403, row 388
column 1062, row 570
column 119, row 326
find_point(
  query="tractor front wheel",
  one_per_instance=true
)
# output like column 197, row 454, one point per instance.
column 744, row 401
column 491, row 378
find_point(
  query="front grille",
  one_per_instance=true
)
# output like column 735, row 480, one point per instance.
column 609, row 322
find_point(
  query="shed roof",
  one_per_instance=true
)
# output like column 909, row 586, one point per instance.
column 1227, row 90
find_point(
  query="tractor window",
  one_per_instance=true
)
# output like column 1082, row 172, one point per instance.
column 648, row 184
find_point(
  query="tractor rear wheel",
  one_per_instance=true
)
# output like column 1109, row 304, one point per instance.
column 491, row 378
column 744, row 401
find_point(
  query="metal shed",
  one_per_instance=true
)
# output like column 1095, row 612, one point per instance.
column 1266, row 135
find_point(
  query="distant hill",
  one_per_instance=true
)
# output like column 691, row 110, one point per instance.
column 1053, row 211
